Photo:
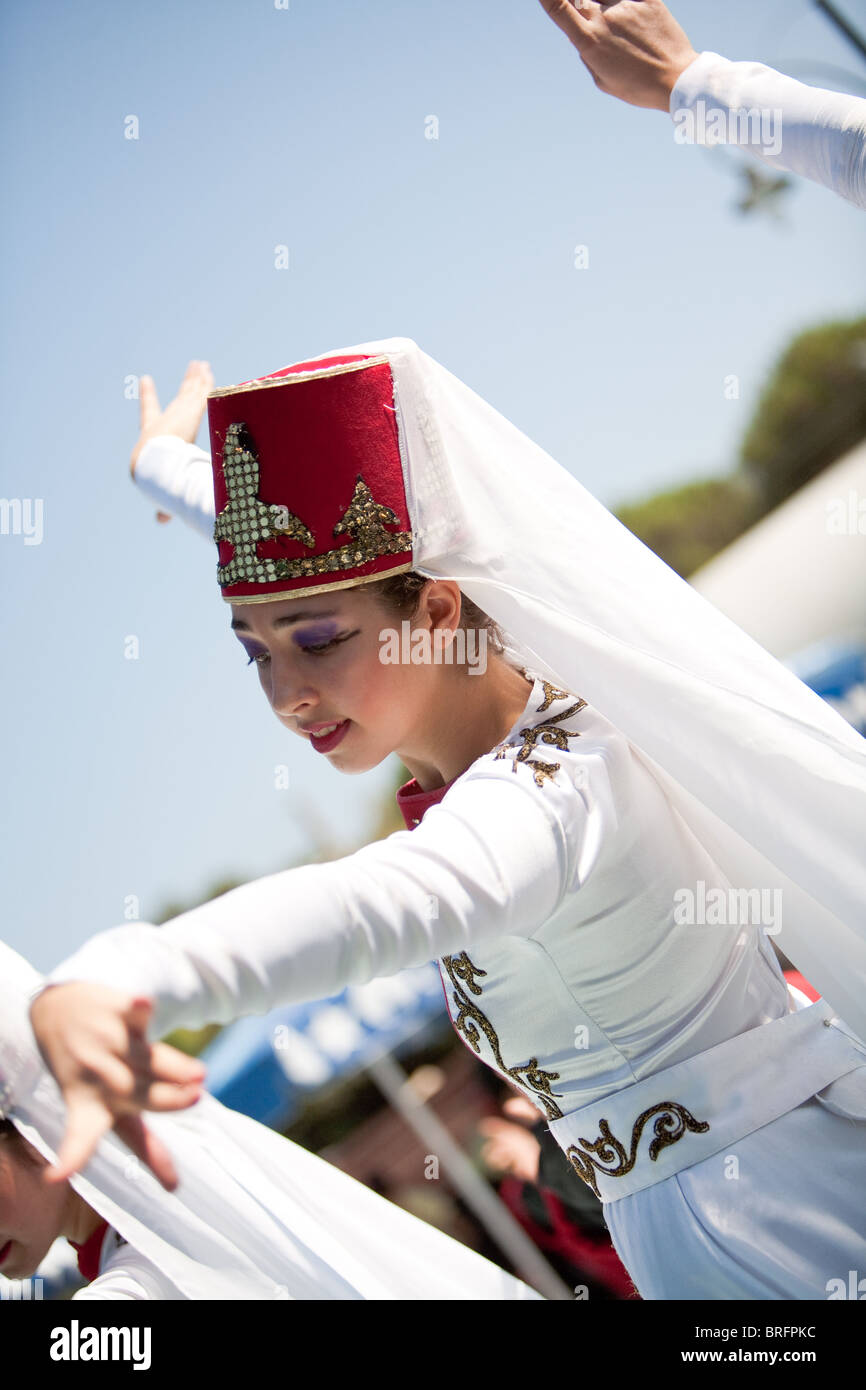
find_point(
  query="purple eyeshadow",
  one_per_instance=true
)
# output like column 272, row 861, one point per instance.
column 314, row 636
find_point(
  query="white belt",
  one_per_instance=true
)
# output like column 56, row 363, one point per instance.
column 652, row 1129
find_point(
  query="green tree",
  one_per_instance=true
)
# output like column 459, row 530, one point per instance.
column 688, row 525
column 811, row 412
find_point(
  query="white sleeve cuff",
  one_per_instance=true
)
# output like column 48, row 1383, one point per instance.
column 177, row 477
column 818, row 134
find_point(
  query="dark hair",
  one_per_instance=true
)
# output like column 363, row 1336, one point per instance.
column 22, row 1148
column 8, row 1131
column 401, row 593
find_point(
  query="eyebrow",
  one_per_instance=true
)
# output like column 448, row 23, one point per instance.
column 238, row 626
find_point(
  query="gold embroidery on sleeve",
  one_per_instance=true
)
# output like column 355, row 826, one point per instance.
column 673, row 1121
column 470, row 1018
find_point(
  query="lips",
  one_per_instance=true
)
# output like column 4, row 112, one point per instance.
column 323, row 743
column 4, row 1251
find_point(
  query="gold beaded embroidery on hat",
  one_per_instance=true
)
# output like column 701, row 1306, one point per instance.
column 246, row 520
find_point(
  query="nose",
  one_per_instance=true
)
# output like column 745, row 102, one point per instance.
column 290, row 692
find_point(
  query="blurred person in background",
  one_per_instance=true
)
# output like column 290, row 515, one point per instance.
column 537, row 1183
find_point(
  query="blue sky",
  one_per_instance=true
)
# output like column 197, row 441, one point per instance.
column 305, row 127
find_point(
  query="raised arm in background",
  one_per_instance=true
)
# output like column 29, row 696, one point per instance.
column 637, row 52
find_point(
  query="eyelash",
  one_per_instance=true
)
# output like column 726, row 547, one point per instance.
column 317, row 650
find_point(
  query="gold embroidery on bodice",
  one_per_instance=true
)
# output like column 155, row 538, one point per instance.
column 471, row 1021
column 470, row 1018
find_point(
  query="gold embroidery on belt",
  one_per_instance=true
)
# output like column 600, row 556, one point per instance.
column 673, row 1121
column 547, row 732
column 462, row 972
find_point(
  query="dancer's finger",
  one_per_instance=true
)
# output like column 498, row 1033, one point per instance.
column 192, row 375
column 163, row 1062
column 147, row 1147
column 134, row 1083
column 165, row 1095
column 573, row 21
column 167, row 1063
column 148, row 401
column 87, row 1120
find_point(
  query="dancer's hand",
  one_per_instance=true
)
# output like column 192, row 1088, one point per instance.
column 509, row 1148
column 182, row 416
column 634, row 49
column 94, row 1040
column 521, row 1111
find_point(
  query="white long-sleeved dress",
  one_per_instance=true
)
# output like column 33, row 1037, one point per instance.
column 593, row 954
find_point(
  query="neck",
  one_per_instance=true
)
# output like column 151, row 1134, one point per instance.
column 466, row 716
column 80, row 1220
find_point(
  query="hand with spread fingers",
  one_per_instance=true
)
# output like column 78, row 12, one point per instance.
column 182, row 416
column 634, row 49
column 94, row 1040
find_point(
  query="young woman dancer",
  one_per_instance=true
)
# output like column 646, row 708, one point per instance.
column 632, row 797
column 607, row 820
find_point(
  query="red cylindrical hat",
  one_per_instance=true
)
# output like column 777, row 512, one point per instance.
column 308, row 480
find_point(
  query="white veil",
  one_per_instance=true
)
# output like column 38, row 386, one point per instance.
column 761, row 769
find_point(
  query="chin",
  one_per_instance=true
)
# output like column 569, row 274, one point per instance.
column 24, row 1263
column 355, row 764
column 354, row 769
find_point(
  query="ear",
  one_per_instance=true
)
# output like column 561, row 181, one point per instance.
column 442, row 600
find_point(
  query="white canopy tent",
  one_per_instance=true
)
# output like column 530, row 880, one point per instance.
column 798, row 578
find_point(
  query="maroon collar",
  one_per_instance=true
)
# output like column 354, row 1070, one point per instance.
column 413, row 802
column 88, row 1253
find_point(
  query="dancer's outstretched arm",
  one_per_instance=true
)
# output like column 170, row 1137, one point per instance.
column 497, row 860
column 636, row 51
